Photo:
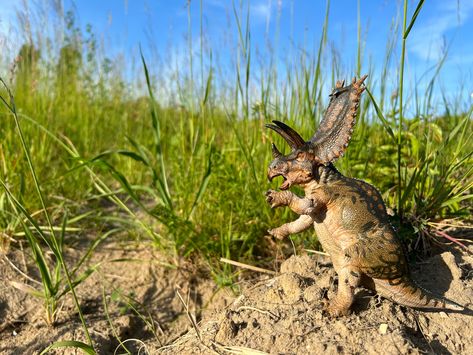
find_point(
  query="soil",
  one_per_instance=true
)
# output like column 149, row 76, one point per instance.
column 153, row 307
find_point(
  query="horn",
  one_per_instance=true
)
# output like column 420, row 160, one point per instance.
column 292, row 137
column 275, row 150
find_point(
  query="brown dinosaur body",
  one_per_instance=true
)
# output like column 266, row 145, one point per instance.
column 348, row 215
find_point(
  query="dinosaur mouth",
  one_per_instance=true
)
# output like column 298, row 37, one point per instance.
column 285, row 185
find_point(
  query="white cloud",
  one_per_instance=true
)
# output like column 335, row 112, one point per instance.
column 262, row 10
column 427, row 40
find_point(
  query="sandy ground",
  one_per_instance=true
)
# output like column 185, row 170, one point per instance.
column 181, row 311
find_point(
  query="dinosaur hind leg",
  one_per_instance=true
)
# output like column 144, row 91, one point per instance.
column 348, row 280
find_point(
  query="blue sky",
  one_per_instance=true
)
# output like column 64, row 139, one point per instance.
column 290, row 25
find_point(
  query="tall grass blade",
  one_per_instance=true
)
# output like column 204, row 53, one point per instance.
column 413, row 19
column 157, row 137
column 380, row 115
column 204, row 182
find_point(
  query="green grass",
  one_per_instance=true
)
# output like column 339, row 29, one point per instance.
column 192, row 160
column 196, row 167
column 52, row 276
column 191, row 175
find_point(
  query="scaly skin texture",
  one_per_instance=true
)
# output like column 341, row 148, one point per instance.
column 348, row 215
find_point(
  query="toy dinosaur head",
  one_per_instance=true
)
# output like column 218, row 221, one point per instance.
column 328, row 143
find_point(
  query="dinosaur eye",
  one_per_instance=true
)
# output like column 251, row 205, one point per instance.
column 280, row 164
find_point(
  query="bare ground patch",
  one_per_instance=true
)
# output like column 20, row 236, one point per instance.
column 181, row 311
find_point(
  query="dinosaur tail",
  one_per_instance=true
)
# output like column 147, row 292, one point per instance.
column 407, row 293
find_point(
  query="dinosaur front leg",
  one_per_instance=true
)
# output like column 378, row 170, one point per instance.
column 348, row 280
column 297, row 226
column 298, row 204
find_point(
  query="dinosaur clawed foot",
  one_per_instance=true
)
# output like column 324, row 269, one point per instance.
column 278, row 233
column 333, row 309
column 275, row 199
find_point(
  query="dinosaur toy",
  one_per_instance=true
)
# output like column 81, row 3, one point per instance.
column 348, row 215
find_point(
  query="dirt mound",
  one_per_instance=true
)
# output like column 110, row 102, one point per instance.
column 284, row 315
